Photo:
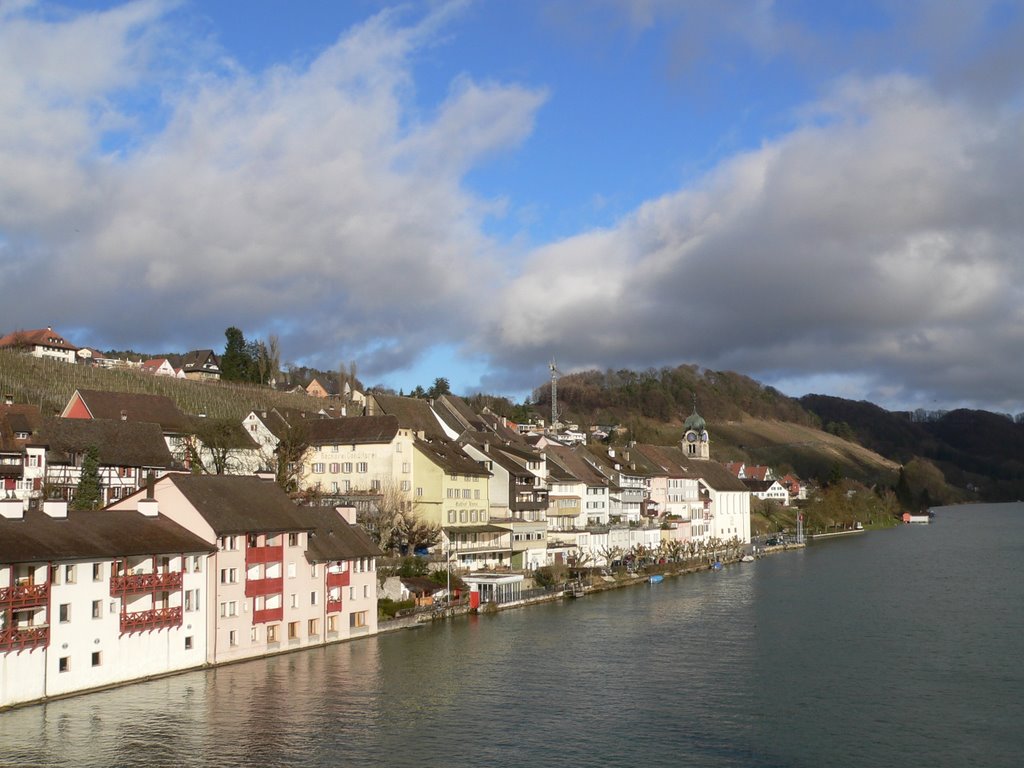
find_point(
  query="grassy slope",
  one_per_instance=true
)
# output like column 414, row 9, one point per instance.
column 50, row 384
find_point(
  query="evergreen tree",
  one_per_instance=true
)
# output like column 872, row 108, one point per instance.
column 88, row 495
column 235, row 363
column 903, row 493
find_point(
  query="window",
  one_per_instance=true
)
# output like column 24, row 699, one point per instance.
column 346, row 485
column 318, row 468
column 357, row 619
column 188, row 642
column 335, row 468
column 375, row 485
column 197, row 564
column 351, row 593
column 313, row 628
column 346, row 467
column 97, row 571
column 293, row 539
column 405, row 467
column 69, row 574
column 254, row 634
column 291, row 570
column 472, row 516
column 233, row 637
column 313, row 570
column 334, row 487
column 332, row 623
column 451, row 515
column 398, row 447
column 97, row 609
column 419, row 490
column 95, row 658
column 462, row 516
column 228, row 575
column 65, row 613
column 229, row 608
column 406, row 485
column 293, row 630
column 366, row 590
column 476, row 493
column 64, row 664
column 466, row 493
column 295, row 601
column 361, row 467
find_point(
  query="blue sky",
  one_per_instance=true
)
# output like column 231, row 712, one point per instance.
column 823, row 196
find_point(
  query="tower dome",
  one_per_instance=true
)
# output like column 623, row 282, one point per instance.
column 695, row 422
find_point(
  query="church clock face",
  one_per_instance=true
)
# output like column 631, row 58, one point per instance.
column 704, row 436
column 691, row 436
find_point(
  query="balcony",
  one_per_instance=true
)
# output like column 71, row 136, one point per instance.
column 334, row 606
column 264, row 587
column 267, row 614
column 342, row 579
column 147, row 621
column 145, row 582
column 22, row 596
column 261, row 555
column 20, row 639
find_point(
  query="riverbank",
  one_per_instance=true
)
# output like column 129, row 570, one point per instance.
column 592, row 586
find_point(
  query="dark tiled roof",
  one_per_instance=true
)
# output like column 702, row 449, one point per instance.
column 456, row 413
column 17, row 418
column 675, row 462
column 155, row 409
column 227, row 432
column 574, row 465
column 197, row 359
column 412, row 414
column 352, row 429
column 333, row 538
column 105, row 533
column 236, row 505
column 450, row 458
column 120, row 443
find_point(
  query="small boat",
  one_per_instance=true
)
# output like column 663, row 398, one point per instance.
column 656, row 578
column 716, row 566
column 747, row 559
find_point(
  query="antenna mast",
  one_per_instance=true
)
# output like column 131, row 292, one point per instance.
column 554, row 392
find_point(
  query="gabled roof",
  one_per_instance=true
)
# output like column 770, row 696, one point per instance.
column 352, row 429
column 201, row 360
column 450, row 458
column 131, row 406
column 98, row 534
column 234, row 504
column 494, row 453
column 675, row 463
column 757, row 472
column 17, row 418
column 328, row 384
column 412, row 413
column 760, row 486
column 120, row 443
column 456, row 413
column 334, row 538
column 43, row 337
column 574, row 465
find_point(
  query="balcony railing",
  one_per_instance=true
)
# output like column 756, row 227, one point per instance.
column 264, row 587
column 21, row 596
column 24, row 638
column 147, row 621
column 333, row 606
column 145, row 582
column 341, row 579
column 267, row 614
column 259, row 555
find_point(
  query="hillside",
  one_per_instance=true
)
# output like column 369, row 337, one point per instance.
column 50, row 384
column 977, row 450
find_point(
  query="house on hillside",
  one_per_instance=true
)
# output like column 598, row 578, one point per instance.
column 18, row 423
column 130, row 406
column 201, row 365
column 42, row 342
column 768, row 490
column 160, row 366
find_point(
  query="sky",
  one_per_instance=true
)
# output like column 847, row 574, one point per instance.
column 826, row 197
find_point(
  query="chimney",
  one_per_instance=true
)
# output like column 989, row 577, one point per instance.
column 149, row 507
column 487, row 446
column 55, row 508
column 611, row 453
column 348, row 514
column 150, row 485
column 12, row 509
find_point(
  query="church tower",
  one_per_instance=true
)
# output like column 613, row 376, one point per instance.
column 695, row 436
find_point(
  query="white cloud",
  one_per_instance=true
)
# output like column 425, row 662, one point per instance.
column 312, row 199
column 877, row 240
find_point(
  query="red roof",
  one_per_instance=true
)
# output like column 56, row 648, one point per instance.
column 42, row 337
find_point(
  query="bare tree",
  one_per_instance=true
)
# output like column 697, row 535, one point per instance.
column 292, row 450
column 274, row 355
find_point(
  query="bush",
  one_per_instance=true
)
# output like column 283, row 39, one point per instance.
column 388, row 608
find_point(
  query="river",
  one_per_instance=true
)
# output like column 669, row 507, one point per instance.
column 889, row 648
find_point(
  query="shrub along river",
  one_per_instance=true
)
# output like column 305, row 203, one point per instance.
column 890, row 648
